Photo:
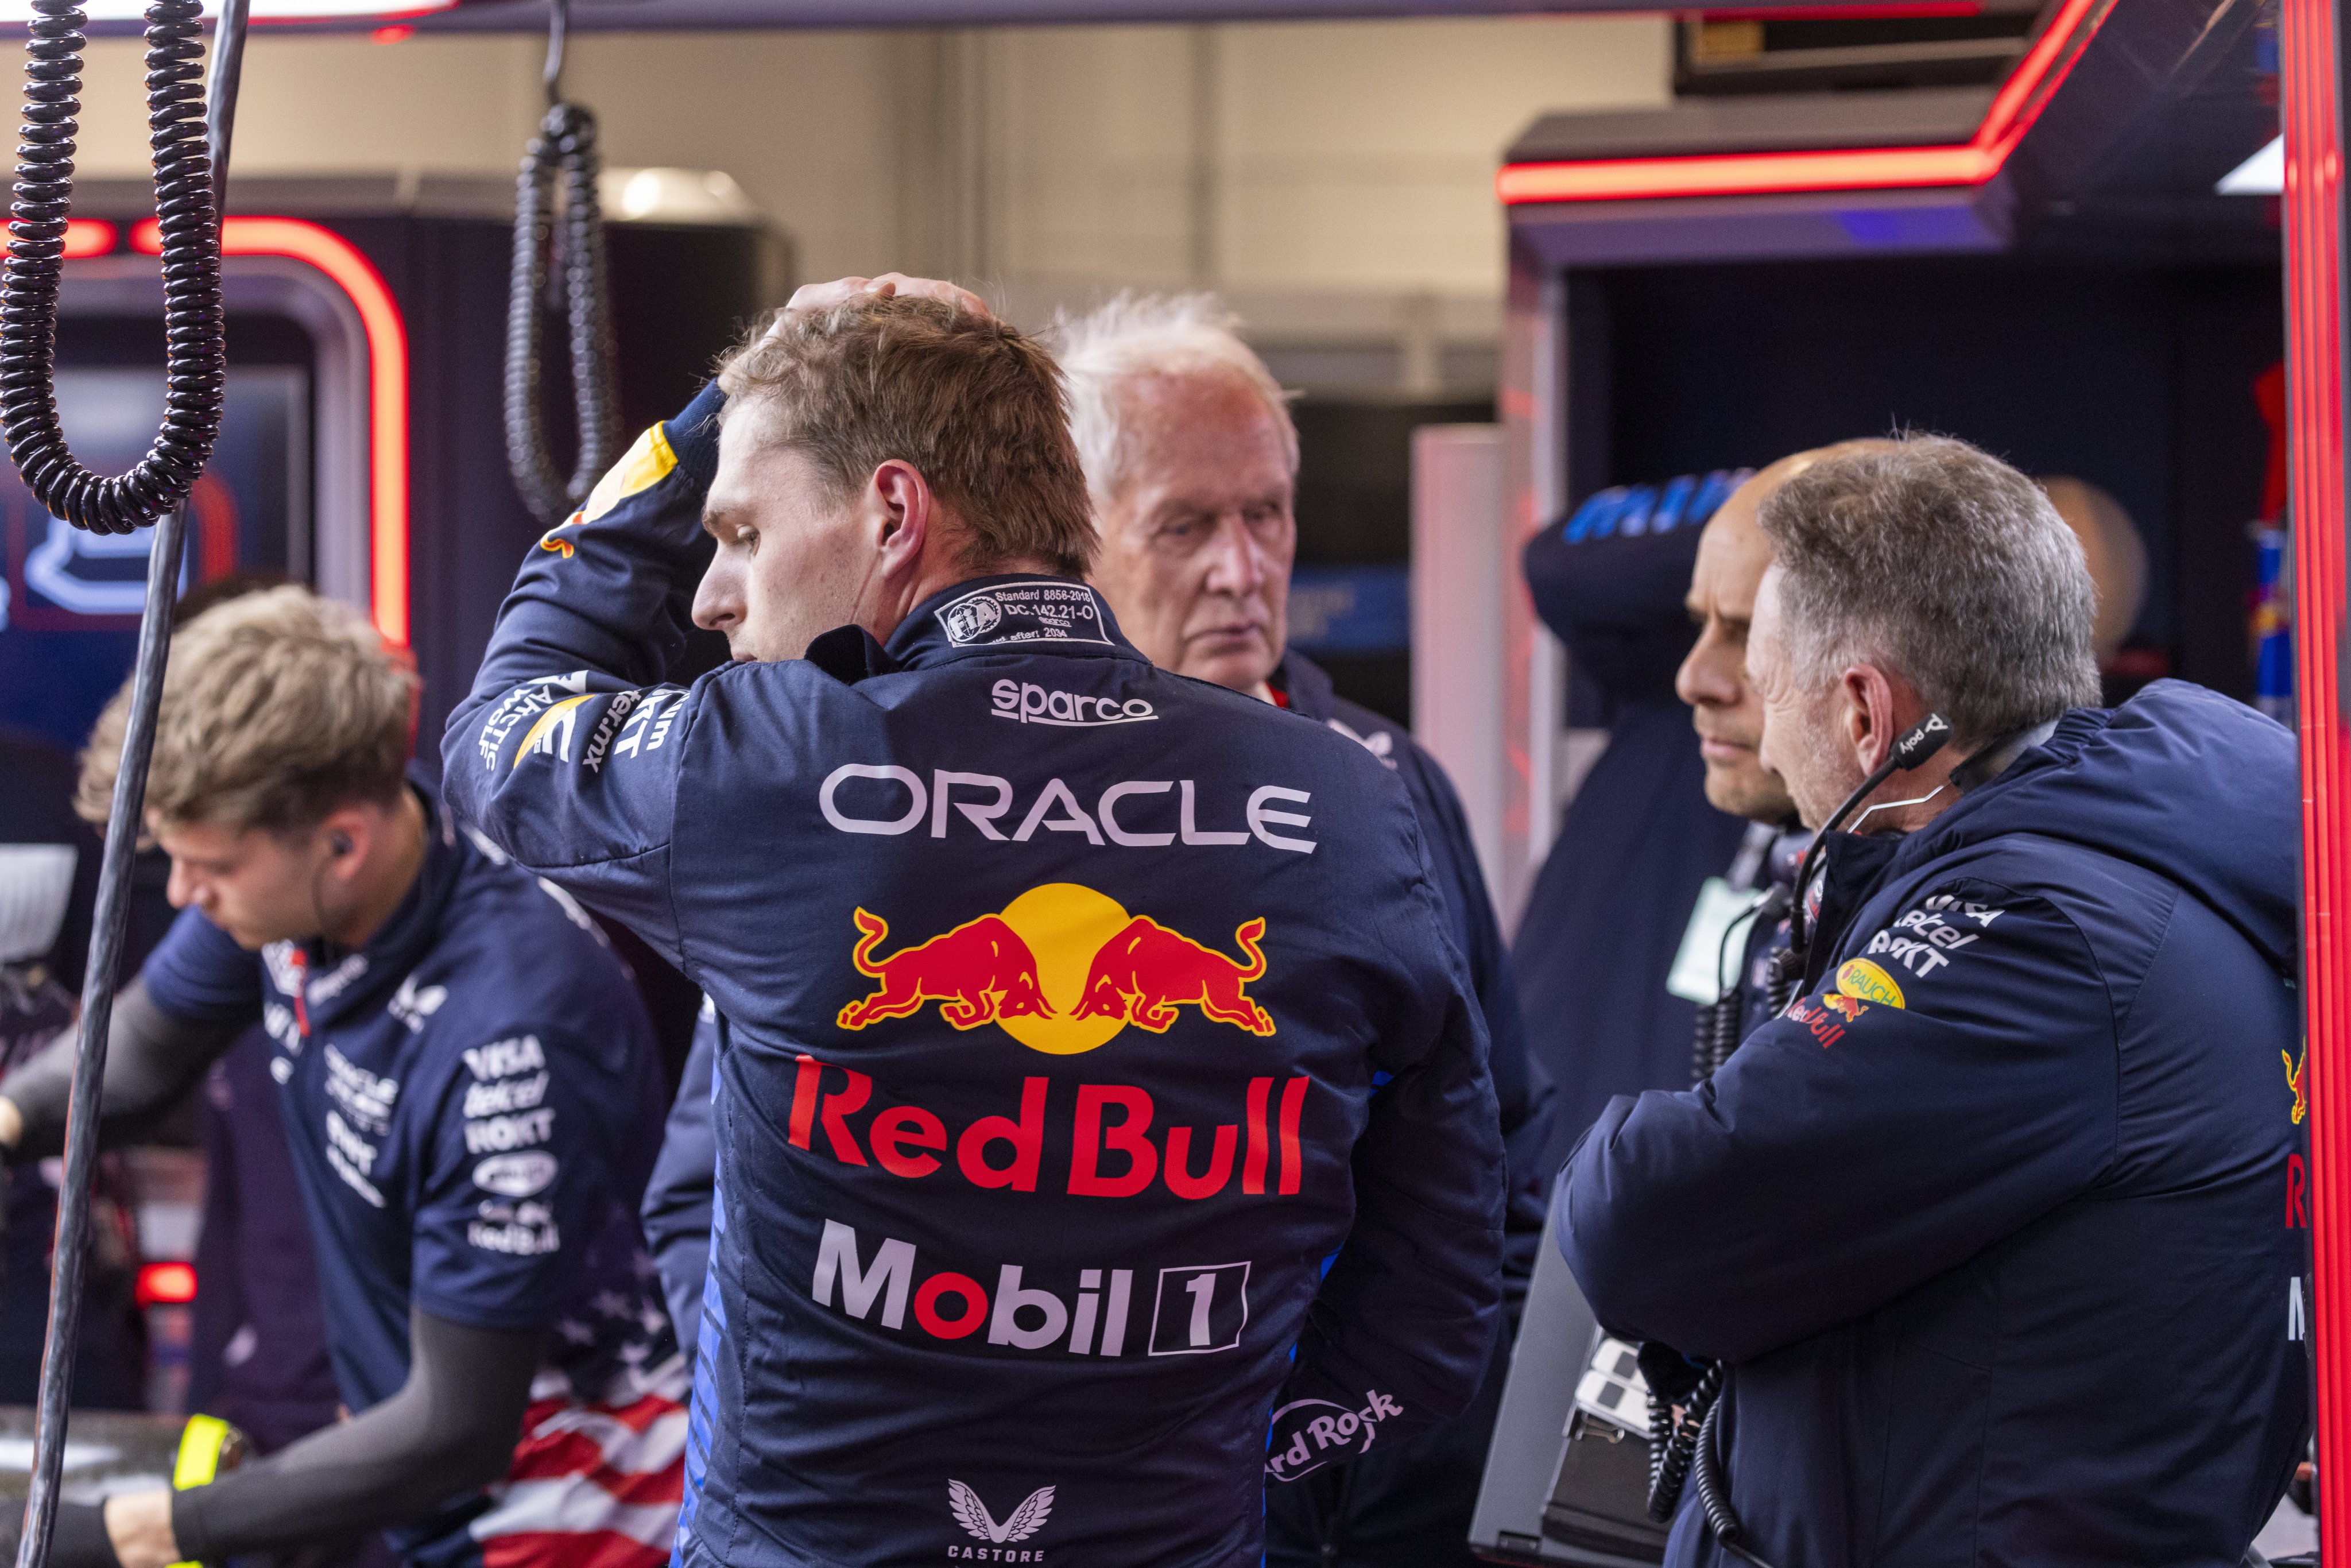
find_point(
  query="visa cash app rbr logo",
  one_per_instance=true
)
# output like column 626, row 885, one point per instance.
column 1025, row 702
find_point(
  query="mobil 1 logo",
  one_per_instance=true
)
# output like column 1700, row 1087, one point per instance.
column 1202, row 1307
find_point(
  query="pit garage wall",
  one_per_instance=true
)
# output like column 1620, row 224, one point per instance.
column 2311, row 59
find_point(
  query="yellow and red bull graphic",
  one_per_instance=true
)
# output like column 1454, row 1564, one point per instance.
column 1062, row 970
column 2298, row 1078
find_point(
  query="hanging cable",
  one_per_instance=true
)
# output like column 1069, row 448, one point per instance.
column 191, row 143
column 566, row 144
column 195, row 365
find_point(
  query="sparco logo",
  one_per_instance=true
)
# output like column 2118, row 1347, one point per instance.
column 980, row 1525
column 1323, row 1433
column 1025, row 702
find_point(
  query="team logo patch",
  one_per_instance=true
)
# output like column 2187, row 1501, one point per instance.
column 1851, row 1007
column 1063, row 968
column 1024, row 1521
column 2298, row 1078
column 1861, row 979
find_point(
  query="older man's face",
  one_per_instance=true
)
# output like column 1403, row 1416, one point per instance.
column 1196, row 546
column 1800, row 740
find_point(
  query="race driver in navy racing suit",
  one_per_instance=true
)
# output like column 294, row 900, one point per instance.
column 1071, row 1013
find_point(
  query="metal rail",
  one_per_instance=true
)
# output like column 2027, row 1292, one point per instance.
column 113, row 908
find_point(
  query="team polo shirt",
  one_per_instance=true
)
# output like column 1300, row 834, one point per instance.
column 473, row 1101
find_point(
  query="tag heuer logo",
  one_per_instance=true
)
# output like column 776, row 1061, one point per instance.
column 980, row 1525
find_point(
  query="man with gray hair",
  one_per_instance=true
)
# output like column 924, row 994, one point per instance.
column 1973, row 1254
column 1191, row 457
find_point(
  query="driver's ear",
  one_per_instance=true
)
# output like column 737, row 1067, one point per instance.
column 905, row 511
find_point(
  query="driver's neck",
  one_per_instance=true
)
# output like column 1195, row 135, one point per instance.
column 395, row 859
column 948, row 569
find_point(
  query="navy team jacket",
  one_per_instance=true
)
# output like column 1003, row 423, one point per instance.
column 2000, row 1225
column 1072, row 1014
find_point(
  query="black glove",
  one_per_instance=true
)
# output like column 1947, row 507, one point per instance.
column 1669, row 1373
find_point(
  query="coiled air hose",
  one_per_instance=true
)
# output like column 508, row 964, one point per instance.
column 190, row 137
column 196, row 355
column 566, row 144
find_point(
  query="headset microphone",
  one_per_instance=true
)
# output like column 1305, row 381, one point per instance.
column 1914, row 747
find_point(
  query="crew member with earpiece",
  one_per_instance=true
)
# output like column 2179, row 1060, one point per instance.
column 1988, row 1248
column 471, row 1093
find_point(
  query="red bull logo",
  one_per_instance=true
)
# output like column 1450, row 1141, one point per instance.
column 2298, row 1078
column 980, row 972
column 1062, row 970
column 1146, row 972
column 1851, row 1007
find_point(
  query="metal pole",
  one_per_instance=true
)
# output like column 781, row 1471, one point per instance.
column 112, row 914
column 89, row 1059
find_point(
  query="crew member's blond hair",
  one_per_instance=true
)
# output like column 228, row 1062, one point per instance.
column 279, row 708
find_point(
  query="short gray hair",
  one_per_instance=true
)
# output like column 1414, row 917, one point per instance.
column 1943, row 565
column 1138, row 335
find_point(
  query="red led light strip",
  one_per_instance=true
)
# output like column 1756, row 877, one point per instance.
column 2011, row 113
column 2313, row 211
column 87, row 236
column 1837, row 13
column 387, row 337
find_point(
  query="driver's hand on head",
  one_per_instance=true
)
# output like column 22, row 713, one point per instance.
column 850, row 290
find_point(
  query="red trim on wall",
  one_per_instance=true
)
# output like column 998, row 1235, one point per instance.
column 2312, row 209
column 387, row 337
column 2013, row 109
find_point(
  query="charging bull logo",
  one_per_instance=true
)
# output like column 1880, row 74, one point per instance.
column 979, row 972
column 1062, row 970
column 1148, row 971
column 2298, row 1078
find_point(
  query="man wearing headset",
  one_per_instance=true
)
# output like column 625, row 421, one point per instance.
column 471, row 1092
column 1993, row 1238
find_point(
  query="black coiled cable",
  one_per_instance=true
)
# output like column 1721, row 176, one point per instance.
column 566, row 143
column 195, row 354
column 1673, row 1441
column 1714, row 1492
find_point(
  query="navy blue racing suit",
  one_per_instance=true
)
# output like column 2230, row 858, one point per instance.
column 1071, row 1013
column 2001, row 1224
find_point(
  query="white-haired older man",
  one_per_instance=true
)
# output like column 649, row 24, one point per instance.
column 1995, row 1234
column 1192, row 459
